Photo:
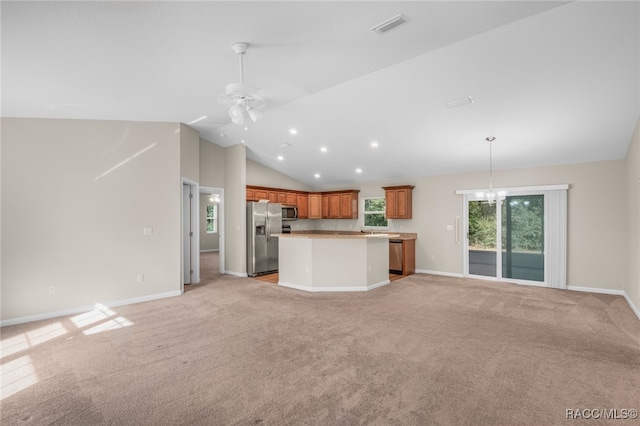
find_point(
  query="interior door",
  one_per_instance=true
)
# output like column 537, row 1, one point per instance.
column 187, row 234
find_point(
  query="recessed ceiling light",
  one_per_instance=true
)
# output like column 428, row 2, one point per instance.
column 323, row 149
column 317, row 175
column 293, row 131
column 246, row 128
column 374, row 144
column 284, row 145
column 280, row 157
column 358, row 170
column 241, row 140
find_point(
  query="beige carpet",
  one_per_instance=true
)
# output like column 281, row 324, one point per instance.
column 423, row 350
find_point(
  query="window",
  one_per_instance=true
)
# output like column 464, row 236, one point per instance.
column 212, row 218
column 374, row 212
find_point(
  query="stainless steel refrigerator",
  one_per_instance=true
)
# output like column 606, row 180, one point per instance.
column 263, row 221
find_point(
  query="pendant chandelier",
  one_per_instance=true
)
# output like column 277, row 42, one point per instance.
column 242, row 99
column 491, row 196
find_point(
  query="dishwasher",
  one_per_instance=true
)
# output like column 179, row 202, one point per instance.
column 395, row 256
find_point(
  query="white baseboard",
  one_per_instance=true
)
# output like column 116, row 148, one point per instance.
column 444, row 274
column 634, row 308
column 336, row 289
column 608, row 291
column 83, row 309
column 237, row 274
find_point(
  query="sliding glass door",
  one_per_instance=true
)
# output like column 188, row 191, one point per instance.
column 523, row 237
column 482, row 239
column 512, row 227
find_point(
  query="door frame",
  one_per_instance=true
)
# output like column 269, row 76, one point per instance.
column 221, row 234
column 470, row 195
column 195, row 239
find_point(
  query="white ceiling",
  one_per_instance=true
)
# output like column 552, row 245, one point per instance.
column 554, row 82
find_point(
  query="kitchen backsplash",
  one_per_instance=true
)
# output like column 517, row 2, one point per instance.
column 344, row 225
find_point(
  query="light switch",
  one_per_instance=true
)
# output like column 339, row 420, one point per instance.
column 449, row 227
column 148, row 230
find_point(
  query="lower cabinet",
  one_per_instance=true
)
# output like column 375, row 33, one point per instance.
column 402, row 256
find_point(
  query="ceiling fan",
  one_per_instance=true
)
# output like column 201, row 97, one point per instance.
column 242, row 99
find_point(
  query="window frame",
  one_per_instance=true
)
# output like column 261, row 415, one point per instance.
column 365, row 213
column 213, row 218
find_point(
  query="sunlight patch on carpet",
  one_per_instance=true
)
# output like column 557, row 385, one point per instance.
column 16, row 376
column 27, row 340
column 113, row 324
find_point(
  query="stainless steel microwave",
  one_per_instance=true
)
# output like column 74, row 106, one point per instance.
column 289, row 213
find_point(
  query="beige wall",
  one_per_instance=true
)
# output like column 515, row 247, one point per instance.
column 189, row 153
column 260, row 175
column 596, row 223
column 235, row 240
column 208, row 241
column 632, row 284
column 76, row 196
column 212, row 164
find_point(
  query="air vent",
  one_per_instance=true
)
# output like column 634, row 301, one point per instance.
column 459, row 102
column 389, row 24
column 284, row 145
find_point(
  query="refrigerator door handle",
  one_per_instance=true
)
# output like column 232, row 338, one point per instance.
column 268, row 230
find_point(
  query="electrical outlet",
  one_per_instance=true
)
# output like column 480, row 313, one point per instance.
column 433, row 257
column 140, row 278
column 52, row 289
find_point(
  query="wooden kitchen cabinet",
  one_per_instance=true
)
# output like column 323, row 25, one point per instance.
column 261, row 194
column 315, row 206
column 342, row 204
column 349, row 205
column 302, row 201
column 291, row 199
column 399, row 201
column 325, row 206
column 311, row 205
column 334, row 206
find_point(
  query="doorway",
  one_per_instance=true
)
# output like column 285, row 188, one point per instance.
column 211, row 228
column 506, row 238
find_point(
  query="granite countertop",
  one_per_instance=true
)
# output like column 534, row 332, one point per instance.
column 349, row 235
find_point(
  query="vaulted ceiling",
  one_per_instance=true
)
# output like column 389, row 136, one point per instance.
column 554, row 82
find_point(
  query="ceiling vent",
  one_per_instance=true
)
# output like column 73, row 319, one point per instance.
column 389, row 24
column 459, row 102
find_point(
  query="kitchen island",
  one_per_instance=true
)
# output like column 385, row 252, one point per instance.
column 334, row 262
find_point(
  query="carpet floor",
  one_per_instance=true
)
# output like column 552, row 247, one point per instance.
column 423, row 350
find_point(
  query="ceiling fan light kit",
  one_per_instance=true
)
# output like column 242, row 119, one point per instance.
column 242, row 99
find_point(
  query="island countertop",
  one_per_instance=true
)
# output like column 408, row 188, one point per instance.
column 337, row 236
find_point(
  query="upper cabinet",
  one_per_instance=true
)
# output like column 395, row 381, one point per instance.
column 399, row 201
column 315, row 205
column 302, row 202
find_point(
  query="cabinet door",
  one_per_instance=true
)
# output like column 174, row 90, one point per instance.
column 302, row 201
column 402, row 204
column 273, row 197
column 334, row 206
column 282, row 197
column 250, row 194
column 325, row 206
column 291, row 199
column 390, row 202
column 261, row 194
column 315, row 206
column 347, row 209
